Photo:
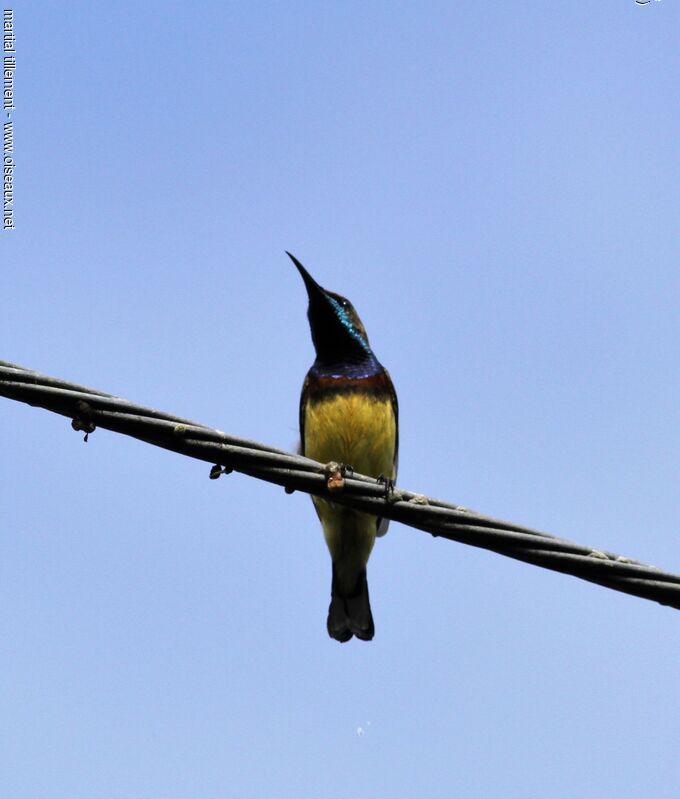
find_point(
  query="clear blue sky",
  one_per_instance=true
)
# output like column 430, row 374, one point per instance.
column 495, row 187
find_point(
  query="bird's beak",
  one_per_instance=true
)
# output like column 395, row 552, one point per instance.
column 314, row 290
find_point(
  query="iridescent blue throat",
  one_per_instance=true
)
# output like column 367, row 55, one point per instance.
column 347, row 323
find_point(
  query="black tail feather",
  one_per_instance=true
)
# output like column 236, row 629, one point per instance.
column 350, row 612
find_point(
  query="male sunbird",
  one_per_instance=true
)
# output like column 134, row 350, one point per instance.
column 348, row 415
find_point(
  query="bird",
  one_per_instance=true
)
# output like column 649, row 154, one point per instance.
column 349, row 417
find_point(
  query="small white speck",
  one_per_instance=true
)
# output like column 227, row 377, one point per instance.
column 360, row 732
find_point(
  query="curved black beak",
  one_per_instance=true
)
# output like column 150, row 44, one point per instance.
column 314, row 290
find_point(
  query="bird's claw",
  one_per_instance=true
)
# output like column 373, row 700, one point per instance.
column 387, row 483
column 335, row 474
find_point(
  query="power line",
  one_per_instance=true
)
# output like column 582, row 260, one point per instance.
column 89, row 408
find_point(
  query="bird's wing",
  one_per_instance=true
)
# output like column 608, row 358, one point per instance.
column 383, row 524
column 303, row 403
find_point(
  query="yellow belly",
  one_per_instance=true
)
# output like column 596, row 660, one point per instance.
column 354, row 429
column 359, row 431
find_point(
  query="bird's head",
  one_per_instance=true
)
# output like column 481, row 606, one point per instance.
column 337, row 332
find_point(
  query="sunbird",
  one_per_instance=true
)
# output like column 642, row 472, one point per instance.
column 348, row 416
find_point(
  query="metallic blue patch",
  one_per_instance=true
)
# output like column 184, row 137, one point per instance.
column 343, row 316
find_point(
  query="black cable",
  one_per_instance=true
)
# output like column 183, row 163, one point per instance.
column 88, row 408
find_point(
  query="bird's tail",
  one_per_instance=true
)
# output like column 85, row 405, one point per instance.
column 350, row 611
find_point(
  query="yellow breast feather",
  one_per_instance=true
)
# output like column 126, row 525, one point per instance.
column 358, row 430
column 353, row 428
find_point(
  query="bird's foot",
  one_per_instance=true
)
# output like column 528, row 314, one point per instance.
column 335, row 474
column 387, row 483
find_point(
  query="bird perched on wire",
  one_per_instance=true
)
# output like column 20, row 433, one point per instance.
column 348, row 418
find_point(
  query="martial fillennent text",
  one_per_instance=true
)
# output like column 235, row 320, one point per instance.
column 9, row 61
